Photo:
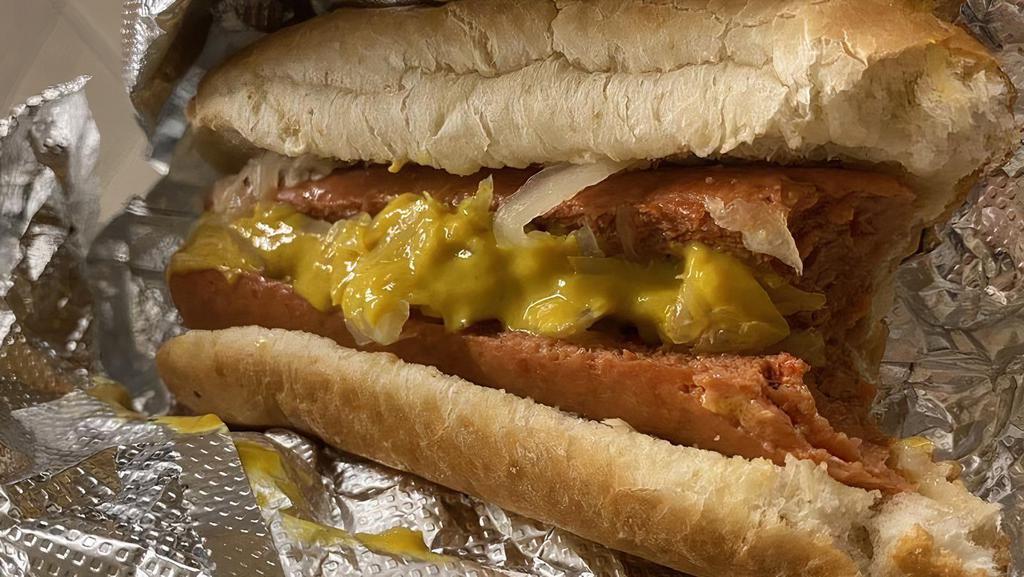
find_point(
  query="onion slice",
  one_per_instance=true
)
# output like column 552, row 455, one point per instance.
column 763, row 227
column 544, row 191
column 588, row 241
column 260, row 179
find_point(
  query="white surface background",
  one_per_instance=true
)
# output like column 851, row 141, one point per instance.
column 44, row 42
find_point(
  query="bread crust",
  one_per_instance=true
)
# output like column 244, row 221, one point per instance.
column 690, row 509
column 492, row 83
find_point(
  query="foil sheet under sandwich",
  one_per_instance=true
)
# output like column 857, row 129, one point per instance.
column 94, row 481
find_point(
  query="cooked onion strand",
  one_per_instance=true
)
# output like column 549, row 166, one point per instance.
column 544, row 191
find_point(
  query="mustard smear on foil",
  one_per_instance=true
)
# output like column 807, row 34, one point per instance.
column 193, row 425
column 275, row 490
column 420, row 254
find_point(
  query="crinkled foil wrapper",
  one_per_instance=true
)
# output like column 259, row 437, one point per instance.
column 94, row 482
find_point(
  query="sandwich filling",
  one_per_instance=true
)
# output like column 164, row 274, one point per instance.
column 444, row 262
column 629, row 301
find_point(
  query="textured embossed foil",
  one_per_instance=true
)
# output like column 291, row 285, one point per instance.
column 89, row 486
column 954, row 363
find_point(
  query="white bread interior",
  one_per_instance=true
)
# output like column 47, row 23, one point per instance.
column 695, row 510
column 491, row 83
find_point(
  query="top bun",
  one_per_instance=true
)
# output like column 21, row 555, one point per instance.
column 492, row 83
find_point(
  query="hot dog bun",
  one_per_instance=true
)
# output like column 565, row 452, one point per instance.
column 492, row 83
column 690, row 509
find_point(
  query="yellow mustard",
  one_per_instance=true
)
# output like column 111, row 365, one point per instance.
column 112, row 393
column 419, row 253
column 268, row 477
column 398, row 541
column 276, row 491
column 193, row 425
column 401, row 541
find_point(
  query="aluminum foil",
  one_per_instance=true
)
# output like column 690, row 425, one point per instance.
column 89, row 485
column 48, row 206
column 954, row 362
column 363, row 503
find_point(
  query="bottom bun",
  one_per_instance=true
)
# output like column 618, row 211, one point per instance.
column 691, row 509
